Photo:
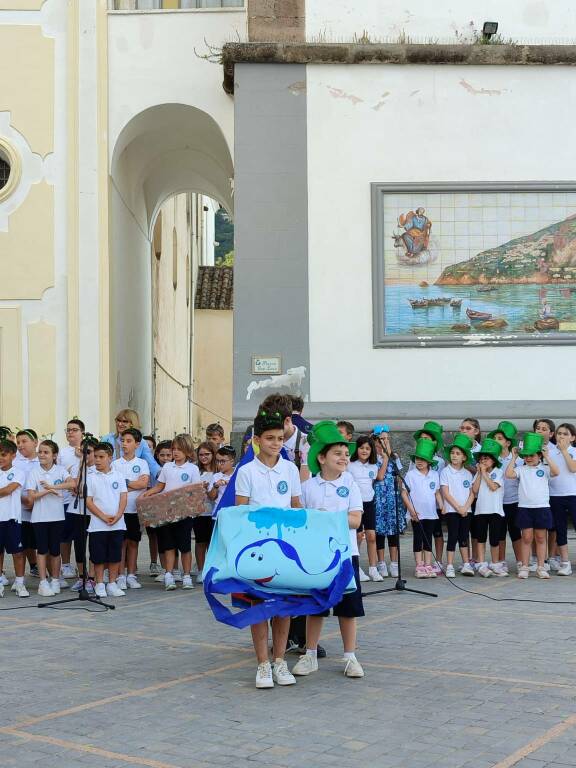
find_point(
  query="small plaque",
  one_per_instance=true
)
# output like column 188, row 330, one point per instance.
column 269, row 365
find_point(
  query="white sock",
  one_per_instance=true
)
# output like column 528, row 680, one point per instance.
column 19, row 580
column 381, row 562
column 393, row 562
column 131, row 576
column 313, row 652
column 349, row 655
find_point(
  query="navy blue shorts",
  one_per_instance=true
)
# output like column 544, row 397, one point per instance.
column 68, row 532
column 539, row 518
column 49, row 537
column 28, row 538
column 368, row 516
column 11, row 537
column 106, row 546
column 562, row 507
column 203, row 527
column 351, row 605
column 133, row 529
column 176, row 535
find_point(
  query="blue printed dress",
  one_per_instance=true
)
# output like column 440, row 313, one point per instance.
column 384, row 493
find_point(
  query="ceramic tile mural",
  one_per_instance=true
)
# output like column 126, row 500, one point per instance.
column 474, row 267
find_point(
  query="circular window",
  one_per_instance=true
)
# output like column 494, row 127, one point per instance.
column 9, row 169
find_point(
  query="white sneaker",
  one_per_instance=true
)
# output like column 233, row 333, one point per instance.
column 363, row 576
column 199, row 577
column 113, row 590
column 519, row 566
column 382, row 570
column 100, row 590
column 55, row 586
column 121, row 582
column 21, row 590
column 450, row 572
column 264, row 675
column 498, row 569
column 483, row 570
column 564, row 570
column 523, row 572
column 533, row 564
column 187, row 581
column 305, row 665
column 394, row 570
column 169, row 583
column 68, row 571
column 63, row 583
column 555, row 563
column 44, row 589
column 353, row 668
column 3, row 580
column 546, row 567
column 374, row 574
column 1, row 590
column 542, row 573
column 160, row 577
column 281, row 674
column 77, row 586
column 467, row 570
column 132, row 582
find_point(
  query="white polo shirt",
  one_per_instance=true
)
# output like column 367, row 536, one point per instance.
column 563, row 484
column 490, row 502
column 218, row 476
column 290, row 447
column 533, row 490
column 132, row 470
column 105, row 490
column 67, row 458
column 423, row 492
column 338, row 495
column 49, row 508
column 364, row 474
column 458, row 482
column 176, row 475
column 10, row 507
column 268, row 486
column 25, row 465
column 510, row 486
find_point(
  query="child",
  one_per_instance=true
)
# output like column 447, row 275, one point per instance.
column 177, row 537
column 390, row 522
column 505, row 433
column 563, row 493
column 11, row 483
column 162, row 454
column 364, row 468
column 215, row 435
column 431, row 430
column 471, row 427
column 273, row 481
column 534, row 515
column 422, row 500
column 81, row 522
column 106, row 502
column 346, row 429
column 44, row 486
column 150, row 440
column 295, row 441
column 456, row 485
column 333, row 489
column 547, row 429
column 27, row 442
column 136, row 473
column 488, row 487
column 209, row 461
column 68, row 457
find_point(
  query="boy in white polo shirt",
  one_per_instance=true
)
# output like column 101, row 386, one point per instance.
column 269, row 480
column 333, row 489
column 106, row 502
column 11, row 482
column 489, row 489
column 136, row 472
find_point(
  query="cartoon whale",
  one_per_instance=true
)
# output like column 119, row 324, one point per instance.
column 273, row 562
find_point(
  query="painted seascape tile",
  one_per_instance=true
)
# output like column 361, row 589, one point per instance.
column 475, row 267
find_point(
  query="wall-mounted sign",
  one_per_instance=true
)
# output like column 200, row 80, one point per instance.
column 268, row 365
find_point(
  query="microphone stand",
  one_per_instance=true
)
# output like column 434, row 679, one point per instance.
column 400, row 585
column 83, row 593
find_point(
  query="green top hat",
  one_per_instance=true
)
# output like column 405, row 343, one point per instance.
column 434, row 429
column 508, row 429
column 462, row 442
column 491, row 448
column 425, row 449
column 531, row 444
column 322, row 434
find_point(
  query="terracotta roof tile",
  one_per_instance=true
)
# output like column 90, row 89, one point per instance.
column 214, row 288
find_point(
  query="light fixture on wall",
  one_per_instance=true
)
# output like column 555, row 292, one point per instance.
column 489, row 28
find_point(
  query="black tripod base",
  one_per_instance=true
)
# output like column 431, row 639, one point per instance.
column 400, row 586
column 84, row 596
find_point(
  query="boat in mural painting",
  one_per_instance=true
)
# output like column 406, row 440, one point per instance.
column 547, row 324
column 456, row 303
column 418, row 303
column 474, row 315
column 486, row 288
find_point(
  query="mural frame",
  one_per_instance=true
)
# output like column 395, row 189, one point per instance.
column 382, row 341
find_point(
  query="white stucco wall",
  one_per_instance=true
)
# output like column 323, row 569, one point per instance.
column 434, row 125
column 538, row 21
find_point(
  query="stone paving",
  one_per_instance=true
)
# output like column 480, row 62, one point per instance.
column 456, row 681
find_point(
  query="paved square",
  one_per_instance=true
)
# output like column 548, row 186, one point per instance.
column 454, row 681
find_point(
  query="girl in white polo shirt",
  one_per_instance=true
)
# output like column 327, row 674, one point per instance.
column 44, row 488
column 456, row 484
column 422, row 500
column 563, row 492
column 364, row 469
column 489, row 490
